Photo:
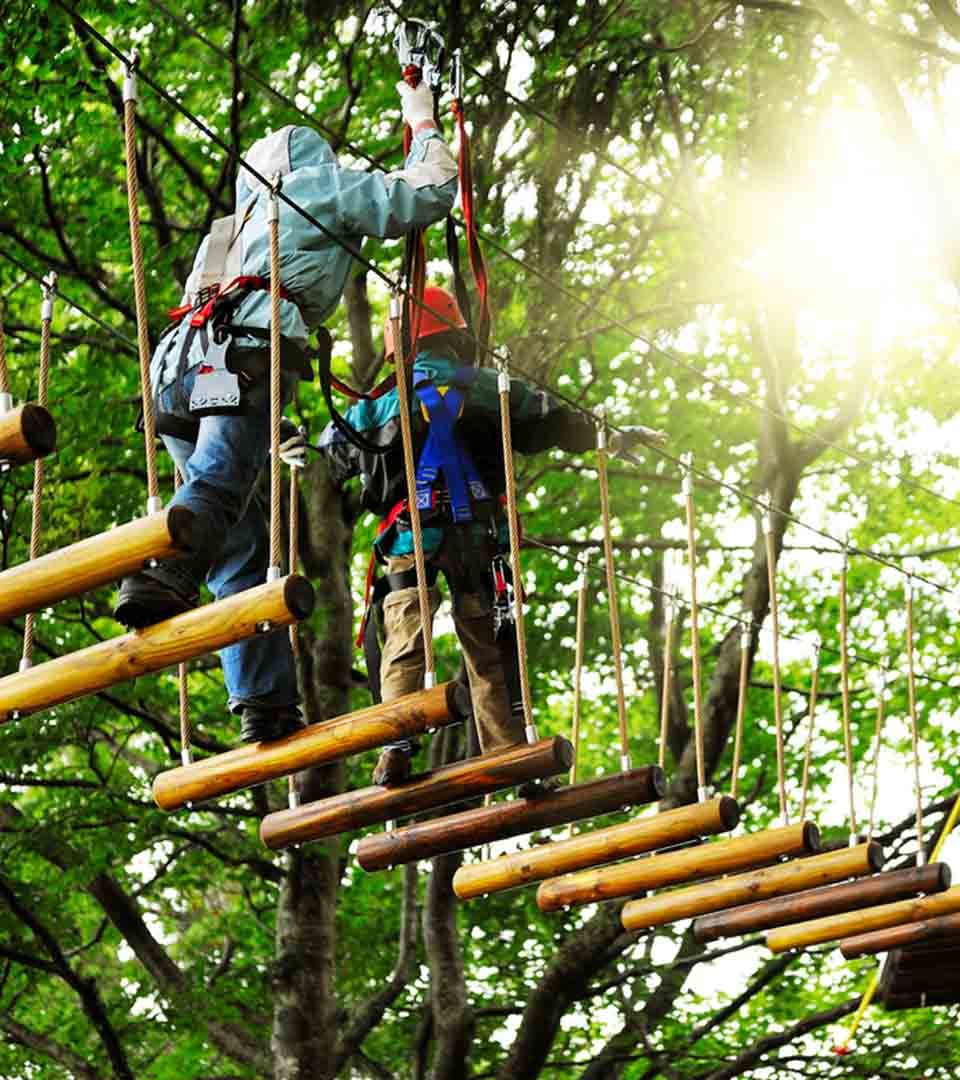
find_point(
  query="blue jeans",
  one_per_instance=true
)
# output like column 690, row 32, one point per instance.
column 220, row 471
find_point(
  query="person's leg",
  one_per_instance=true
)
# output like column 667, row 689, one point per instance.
column 497, row 726
column 402, row 663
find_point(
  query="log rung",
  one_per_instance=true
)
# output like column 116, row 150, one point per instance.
column 451, row 783
column 788, row 877
column 817, row 903
column 599, row 846
column 676, row 867
column 315, row 745
column 96, row 561
column 26, row 433
column 838, row 927
column 486, row 824
column 277, row 604
column 898, row 937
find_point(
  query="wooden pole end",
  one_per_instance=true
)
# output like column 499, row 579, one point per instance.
column 39, row 429
column 299, row 596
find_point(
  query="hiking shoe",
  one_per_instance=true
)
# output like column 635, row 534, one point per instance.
column 151, row 597
column 537, row 789
column 393, row 766
column 267, row 723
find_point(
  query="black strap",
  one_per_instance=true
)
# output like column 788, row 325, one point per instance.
column 460, row 289
column 340, row 422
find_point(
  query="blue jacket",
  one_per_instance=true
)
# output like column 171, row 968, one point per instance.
column 352, row 203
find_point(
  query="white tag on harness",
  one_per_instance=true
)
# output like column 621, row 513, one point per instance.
column 215, row 387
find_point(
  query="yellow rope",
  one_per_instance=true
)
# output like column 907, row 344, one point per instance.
column 513, row 521
column 616, row 644
column 409, row 466
column 139, row 287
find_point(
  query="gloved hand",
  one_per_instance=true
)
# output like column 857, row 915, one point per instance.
column 637, row 435
column 417, row 103
column 293, row 445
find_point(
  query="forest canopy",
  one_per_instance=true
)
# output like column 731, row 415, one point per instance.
column 733, row 222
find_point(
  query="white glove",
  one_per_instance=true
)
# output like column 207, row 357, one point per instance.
column 293, row 447
column 638, row 435
column 417, row 103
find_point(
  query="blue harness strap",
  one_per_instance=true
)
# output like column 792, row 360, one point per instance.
column 444, row 454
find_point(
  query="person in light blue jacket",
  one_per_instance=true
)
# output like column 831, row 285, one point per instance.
column 210, row 381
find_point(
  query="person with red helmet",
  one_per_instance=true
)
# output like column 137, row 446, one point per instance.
column 460, row 482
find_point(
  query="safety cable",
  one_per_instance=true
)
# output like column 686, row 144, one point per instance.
column 154, row 502
column 579, row 649
column 859, row 658
column 513, row 523
column 36, row 520
column 384, row 277
column 336, row 138
column 616, row 646
column 79, row 308
column 608, row 160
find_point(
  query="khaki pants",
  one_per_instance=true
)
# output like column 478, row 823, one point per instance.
column 403, row 662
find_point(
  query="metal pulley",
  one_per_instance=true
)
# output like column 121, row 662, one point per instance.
column 421, row 52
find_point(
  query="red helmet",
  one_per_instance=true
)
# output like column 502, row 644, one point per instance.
column 440, row 313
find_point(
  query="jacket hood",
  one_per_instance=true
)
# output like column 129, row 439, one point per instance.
column 282, row 152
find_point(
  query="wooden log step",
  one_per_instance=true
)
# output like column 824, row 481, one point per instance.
column 899, row 1002
column 318, row 744
column 931, row 978
column 485, row 824
column 917, row 957
column 939, row 929
column 600, row 846
column 96, row 561
column 838, row 927
column 451, row 783
column 741, row 888
column 277, row 604
column 26, row 433
column 675, row 867
column 830, row 900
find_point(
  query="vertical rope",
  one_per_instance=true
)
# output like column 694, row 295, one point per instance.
column 811, row 712
column 914, row 726
column 294, row 529
column 777, row 687
column 578, row 662
column 6, row 402
column 845, row 695
column 273, row 226
column 616, row 645
column 877, row 742
column 666, row 677
column 139, row 286
column 183, row 690
column 741, row 707
column 36, row 516
column 687, row 489
column 413, row 509
column 513, row 521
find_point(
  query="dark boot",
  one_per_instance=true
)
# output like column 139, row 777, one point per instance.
column 267, row 723
column 537, row 789
column 393, row 766
column 153, row 595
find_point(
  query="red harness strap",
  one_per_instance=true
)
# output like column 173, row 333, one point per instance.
column 249, row 282
column 477, row 262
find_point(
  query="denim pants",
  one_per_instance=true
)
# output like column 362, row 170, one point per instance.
column 220, row 471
